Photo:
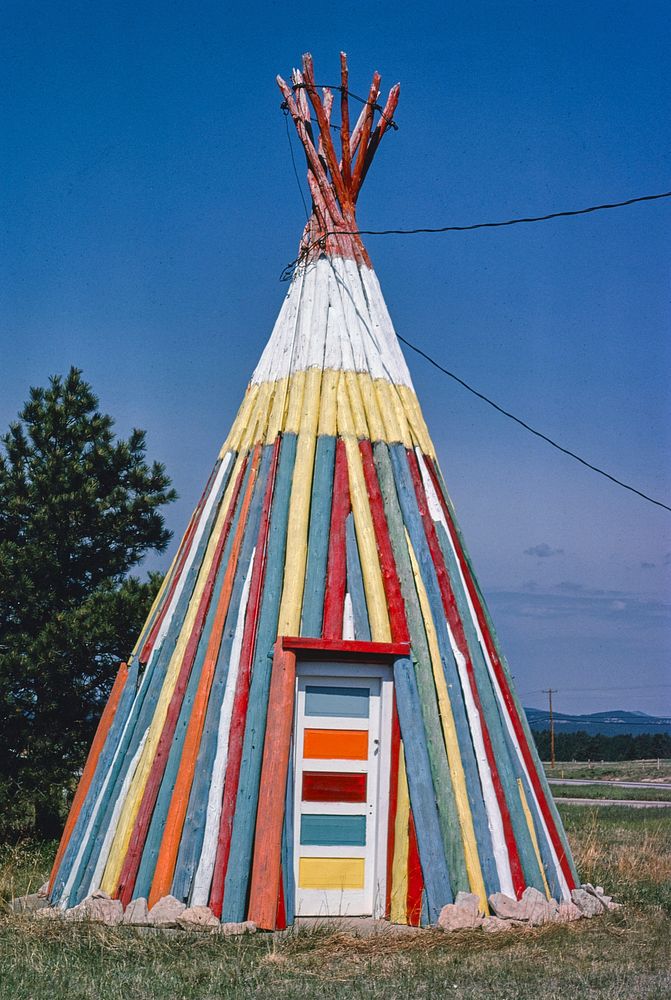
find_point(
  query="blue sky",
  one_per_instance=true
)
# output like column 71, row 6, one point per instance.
column 149, row 205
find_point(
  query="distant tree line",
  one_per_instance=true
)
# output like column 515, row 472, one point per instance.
column 585, row 746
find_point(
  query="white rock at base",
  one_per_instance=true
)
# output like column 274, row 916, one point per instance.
column 597, row 891
column 492, row 925
column 587, row 903
column 29, row 904
column 166, row 912
column 504, row 906
column 536, row 908
column 567, row 912
column 198, row 918
column 99, row 908
column 456, row 918
column 137, row 912
column 245, row 927
column 468, row 901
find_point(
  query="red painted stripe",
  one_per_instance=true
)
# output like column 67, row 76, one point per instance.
column 415, row 878
column 182, row 554
column 106, row 720
column 266, row 880
column 392, row 588
column 352, row 648
column 336, row 572
column 131, row 862
column 174, row 821
column 332, row 786
column 241, row 699
column 503, row 681
column 457, row 629
column 393, row 800
column 281, row 915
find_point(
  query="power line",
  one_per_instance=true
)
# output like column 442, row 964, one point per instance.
column 288, row 270
column 528, row 427
column 512, row 222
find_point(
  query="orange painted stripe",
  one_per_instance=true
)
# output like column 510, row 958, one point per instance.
column 167, row 856
column 336, row 744
column 103, row 729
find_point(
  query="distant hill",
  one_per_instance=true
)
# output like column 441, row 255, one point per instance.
column 615, row 723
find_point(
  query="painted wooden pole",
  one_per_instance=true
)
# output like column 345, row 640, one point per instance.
column 242, row 835
column 422, row 798
column 241, row 698
column 92, row 759
column 265, row 881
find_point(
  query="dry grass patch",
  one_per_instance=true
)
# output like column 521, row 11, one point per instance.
column 621, row 956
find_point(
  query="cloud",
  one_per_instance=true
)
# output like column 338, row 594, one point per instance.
column 647, row 565
column 543, row 551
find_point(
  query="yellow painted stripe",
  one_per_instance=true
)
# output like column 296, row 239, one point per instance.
column 532, row 833
column 276, row 415
column 294, row 406
column 379, row 410
column 360, row 424
column 331, row 873
column 416, row 419
column 399, row 868
column 299, row 509
column 131, row 806
column 373, row 416
column 365, row 533
column 232, row 442
column 473, row 867
column 328, row 403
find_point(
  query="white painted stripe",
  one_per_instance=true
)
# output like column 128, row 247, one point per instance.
column 436, row 511
column 111, row 829
column 348, row 618
column 203, row 878
column 494, row 818
column 332, row 302
column 198, row 534
column 101, row 794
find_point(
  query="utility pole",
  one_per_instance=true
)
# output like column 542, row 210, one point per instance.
column 549, row 692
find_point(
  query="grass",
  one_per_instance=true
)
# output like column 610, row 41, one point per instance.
column 611, row 792
column 622, row 956
column 619, row 770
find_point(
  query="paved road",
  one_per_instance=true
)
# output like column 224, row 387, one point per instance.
column 618, row 784
column 634, row 803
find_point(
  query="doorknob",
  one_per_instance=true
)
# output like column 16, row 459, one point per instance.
column 376, row 747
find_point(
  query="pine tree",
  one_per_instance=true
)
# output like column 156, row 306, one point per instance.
column 79, row 509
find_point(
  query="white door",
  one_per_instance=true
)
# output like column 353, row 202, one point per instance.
column 343, row 715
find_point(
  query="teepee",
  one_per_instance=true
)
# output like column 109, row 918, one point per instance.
column 317, row 718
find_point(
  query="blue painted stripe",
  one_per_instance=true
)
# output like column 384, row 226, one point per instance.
column 154, row 836
column 318, row 537
column 288, row 876
column 507, row 761
column 318, row 830
column 442, row 781
column 104, row 761
column 196, row 813
column 331, row 701
column 236, row 884
column 540, row 770
column 355, row 583
column 408, row 501
column 420, row 785
column 143, row 708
